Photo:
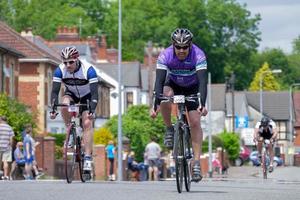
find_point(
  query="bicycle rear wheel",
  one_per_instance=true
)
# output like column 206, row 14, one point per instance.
column 178, row 155
column 70, row 153
column 187, row 159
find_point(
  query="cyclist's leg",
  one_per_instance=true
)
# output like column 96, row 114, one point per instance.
column 66, row 99
column 87, row 125
column 259, row 146
column 166, row 108
column 271, row 154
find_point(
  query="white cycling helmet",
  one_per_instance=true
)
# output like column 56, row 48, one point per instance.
column 69, row 53
column 182, row 36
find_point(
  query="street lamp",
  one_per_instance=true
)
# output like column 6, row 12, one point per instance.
column 274, row 71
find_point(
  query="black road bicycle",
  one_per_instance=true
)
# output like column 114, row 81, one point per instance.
column 73, row 152
column 265, row 161
column 182, row 148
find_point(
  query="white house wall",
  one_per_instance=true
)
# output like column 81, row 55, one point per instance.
column 217, row 124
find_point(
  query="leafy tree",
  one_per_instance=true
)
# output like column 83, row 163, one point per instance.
column 276, row 60
column 296, row 45
column 231, row 143
column 294, row 63
column 139, row 128
column 269, row 82
column 16, row 113
column 222, row 28
column 45, row 16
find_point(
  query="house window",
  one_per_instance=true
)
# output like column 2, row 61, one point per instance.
column 281, row 128
column 129, row 99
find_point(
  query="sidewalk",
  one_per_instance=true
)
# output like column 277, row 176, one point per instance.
column 289, row 173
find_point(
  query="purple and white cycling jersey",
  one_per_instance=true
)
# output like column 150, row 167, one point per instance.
column 182, row 72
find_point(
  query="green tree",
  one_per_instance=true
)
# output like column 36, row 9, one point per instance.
column 224, row 29
column 16, row 113
column 231, row 143
column 269, row 82
column 276, row 60
column 139, row 128
column 45, row 16
column 296, row 45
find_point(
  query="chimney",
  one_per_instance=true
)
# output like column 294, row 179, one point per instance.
column 67, row 33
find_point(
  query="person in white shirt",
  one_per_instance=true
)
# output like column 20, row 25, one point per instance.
column 152, row 152
column 265, row 129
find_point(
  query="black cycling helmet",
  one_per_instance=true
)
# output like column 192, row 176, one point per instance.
column 182, row 36
column 69, row 53
column 265, row 121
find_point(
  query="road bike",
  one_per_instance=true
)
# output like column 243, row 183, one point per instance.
column 73, row 151
column 265, row 161
column 182, row 148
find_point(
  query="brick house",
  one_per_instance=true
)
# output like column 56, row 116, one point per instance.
column 35, row 72
column 10, row 66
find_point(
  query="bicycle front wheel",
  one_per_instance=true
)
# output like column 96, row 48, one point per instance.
column 80, row 158
column 187, row 159
column 178, row 155
column 70, row 154
column 264, row 163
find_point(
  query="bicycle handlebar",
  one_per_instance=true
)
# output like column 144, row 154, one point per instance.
column 191, row 97
column 53, row 106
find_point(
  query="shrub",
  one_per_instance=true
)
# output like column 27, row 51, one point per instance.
column 102, row 136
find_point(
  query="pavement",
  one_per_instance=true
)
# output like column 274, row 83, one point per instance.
column 282, row 173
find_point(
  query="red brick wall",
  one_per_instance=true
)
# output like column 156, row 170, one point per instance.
column 28, row 94
column 99, row 162
column 29, row 69
column 45, row 154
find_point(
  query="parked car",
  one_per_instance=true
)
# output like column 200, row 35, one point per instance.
column 243, row 156
column 277, row 161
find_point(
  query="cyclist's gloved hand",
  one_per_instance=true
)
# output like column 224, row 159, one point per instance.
column 202, row 110
column 53, row 114
column 91, row 115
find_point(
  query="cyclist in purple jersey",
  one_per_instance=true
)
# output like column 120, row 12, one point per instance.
column 81, row 84
column 182, row 69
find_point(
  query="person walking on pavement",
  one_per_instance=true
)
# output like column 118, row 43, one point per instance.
column 152, row 153
column 6, row 139
column 110, row 151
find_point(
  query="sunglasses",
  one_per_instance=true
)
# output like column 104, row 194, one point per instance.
column 70, row 62
column 182, row 47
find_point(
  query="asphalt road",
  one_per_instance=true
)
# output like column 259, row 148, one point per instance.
column 283, row 184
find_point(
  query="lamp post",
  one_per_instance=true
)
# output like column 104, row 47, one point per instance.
column 275, row 71
column 120, row 149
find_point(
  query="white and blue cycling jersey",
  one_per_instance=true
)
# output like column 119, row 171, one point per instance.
column 78, row 82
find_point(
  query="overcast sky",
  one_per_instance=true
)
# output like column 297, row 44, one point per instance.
column 280, row 22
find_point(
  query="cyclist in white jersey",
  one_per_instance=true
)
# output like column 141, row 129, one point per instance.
column 81, row 84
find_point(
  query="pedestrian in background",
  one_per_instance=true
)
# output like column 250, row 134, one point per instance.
column 6, row 139
column 110, row 151
column 152, row 153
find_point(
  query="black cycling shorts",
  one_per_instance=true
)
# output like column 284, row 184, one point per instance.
column 178, row 90
column 265, row 135
column 82, row 100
